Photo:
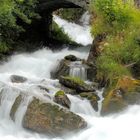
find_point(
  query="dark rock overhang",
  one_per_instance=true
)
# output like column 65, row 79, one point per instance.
column 52, row 5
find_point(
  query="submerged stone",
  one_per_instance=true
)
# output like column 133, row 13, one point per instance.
column 18, row 79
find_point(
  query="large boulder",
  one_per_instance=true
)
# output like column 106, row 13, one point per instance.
column 48, row 118
column 75, row 83
column 126, row 92
column 18, row 79
column 62, row 99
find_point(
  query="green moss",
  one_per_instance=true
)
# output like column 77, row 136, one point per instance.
column 60, row 92
column 76, row 80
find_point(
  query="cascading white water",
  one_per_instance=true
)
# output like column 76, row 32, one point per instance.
column 77, row 69
column 80, row 34
column 36, row 67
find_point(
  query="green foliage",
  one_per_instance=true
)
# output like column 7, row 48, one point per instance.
column 59, row 93
column 110, row 69
column 113, row 16
column 120, row 22
column 59, row 34
column 4, row 47
column 70, row 14
column 11, row 12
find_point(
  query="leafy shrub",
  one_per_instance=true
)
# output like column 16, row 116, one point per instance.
column 119, row 20
column 4, row 47
column 11, row 12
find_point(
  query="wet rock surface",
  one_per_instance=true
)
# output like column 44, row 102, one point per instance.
column 15, row 107
column 75, row 83
column 62, row 69
column 18, row 79
column 71, row 58
column 62, row 99
column 51, row 119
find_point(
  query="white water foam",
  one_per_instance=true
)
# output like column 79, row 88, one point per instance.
column 36, row 67
column 77, row 69
column 119, row 126
column 78, row 33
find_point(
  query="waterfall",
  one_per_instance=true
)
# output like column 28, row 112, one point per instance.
column 36, row 67
column 21, row 110
column 7, row 97
column 78, row 33
column 77, row 69
column 81, row 106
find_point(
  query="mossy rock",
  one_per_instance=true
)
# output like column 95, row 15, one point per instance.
column 126, row 92
column 51, row 119
column 60, row 93
column 68, row 90
column 90, row 95
column 75, row 83
column 113, row 103
column 62, row 99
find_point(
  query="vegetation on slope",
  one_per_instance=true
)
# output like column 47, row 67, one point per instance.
column 120, row 23
column 70, row 14
column 12, row 12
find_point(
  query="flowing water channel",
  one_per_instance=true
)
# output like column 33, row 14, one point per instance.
column 36, row 68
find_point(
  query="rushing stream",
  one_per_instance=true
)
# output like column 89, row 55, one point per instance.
column 36, row 67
